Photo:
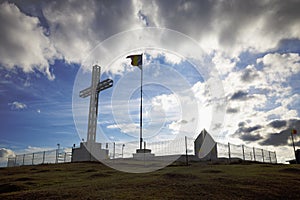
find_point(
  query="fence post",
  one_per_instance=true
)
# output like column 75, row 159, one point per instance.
column 32, row 158
column 229, row 156
column 43, row 157
column 262, row 153
column 254, row 154
column 23, row 159
column 114, row 150
column 243, row 152
column 56, row 156
column 275, row 157
column 270, row 157
column 15, row 161
column 186, row 152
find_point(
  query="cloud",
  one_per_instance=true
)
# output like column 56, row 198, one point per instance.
column 250, row 137
column 229, row 26
column 232, row 110
column 23, row 42
column 278, row 67
column 32, row 149
column 78, row 26
column 239, row 95
column 125, row 128
column 243, row 129
column 248, row 133
column 278, row 124
column 5, row 153
column 282, row 137
column 17, row 105
column 249, row 74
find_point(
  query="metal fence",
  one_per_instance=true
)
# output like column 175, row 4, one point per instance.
column 178, row 146
column 43, row 157
column 243, row 152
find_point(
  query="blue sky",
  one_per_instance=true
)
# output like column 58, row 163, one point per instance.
column 237, row 62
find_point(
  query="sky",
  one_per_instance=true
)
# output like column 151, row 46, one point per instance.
column 231, row 67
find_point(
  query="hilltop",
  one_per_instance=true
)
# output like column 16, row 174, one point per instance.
column 197, row 181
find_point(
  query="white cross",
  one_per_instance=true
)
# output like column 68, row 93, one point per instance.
column 93, row 91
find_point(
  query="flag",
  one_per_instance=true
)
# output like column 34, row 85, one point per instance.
column 294, row 131
column 136, row 60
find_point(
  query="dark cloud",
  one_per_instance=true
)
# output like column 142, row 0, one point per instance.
column 250, row 138
column 232, row 110
column 242, row 124
column 217, row 126
column 243, row 129
column 229, row 21
column 249, row 74
column 277, row 139
column 282, row 137
column 245, row 133
column 278, row 124
column 240, row 95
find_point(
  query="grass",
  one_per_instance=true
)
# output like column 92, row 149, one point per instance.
column 197, row 181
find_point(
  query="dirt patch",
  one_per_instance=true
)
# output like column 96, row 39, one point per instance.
column 91, row 170
column 179, row 176
column 24, row 179
column 99, row 175
column 44, row 170
column 5, row 188
column 291, row 170
column 211, row 171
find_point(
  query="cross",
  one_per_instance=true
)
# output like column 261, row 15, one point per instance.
column 93, row 91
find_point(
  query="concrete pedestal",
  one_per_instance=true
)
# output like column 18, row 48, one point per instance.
column 89, row 152
column 143, row 154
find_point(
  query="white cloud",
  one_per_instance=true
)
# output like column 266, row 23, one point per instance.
column 32, row 149
column 125, row 128
column 5, row 153
column 278, row 67
column 23, row 42
column 17, row 105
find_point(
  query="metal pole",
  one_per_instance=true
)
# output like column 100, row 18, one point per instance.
column 43, row 157
column 65, row 157
column 229, row 156
column 23, row 159
column 141, row 110
column 57, row 152
column 294, row 147
column 32, row 158
column 270, row 157
column 275, row 157
column 254, row 154
column 15, row 160
column 243, row 152
column 262, row 153
column 186, row 152
column 114, row 151
column 123, row 150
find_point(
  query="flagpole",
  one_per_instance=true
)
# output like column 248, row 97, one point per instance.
column 141, row 108
column 294, row 146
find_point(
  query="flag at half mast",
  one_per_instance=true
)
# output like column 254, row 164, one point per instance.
column 136, row 60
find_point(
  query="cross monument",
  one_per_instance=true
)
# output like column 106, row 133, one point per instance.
column 93, row 91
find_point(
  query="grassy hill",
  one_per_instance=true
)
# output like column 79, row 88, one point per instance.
column 197, row 181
